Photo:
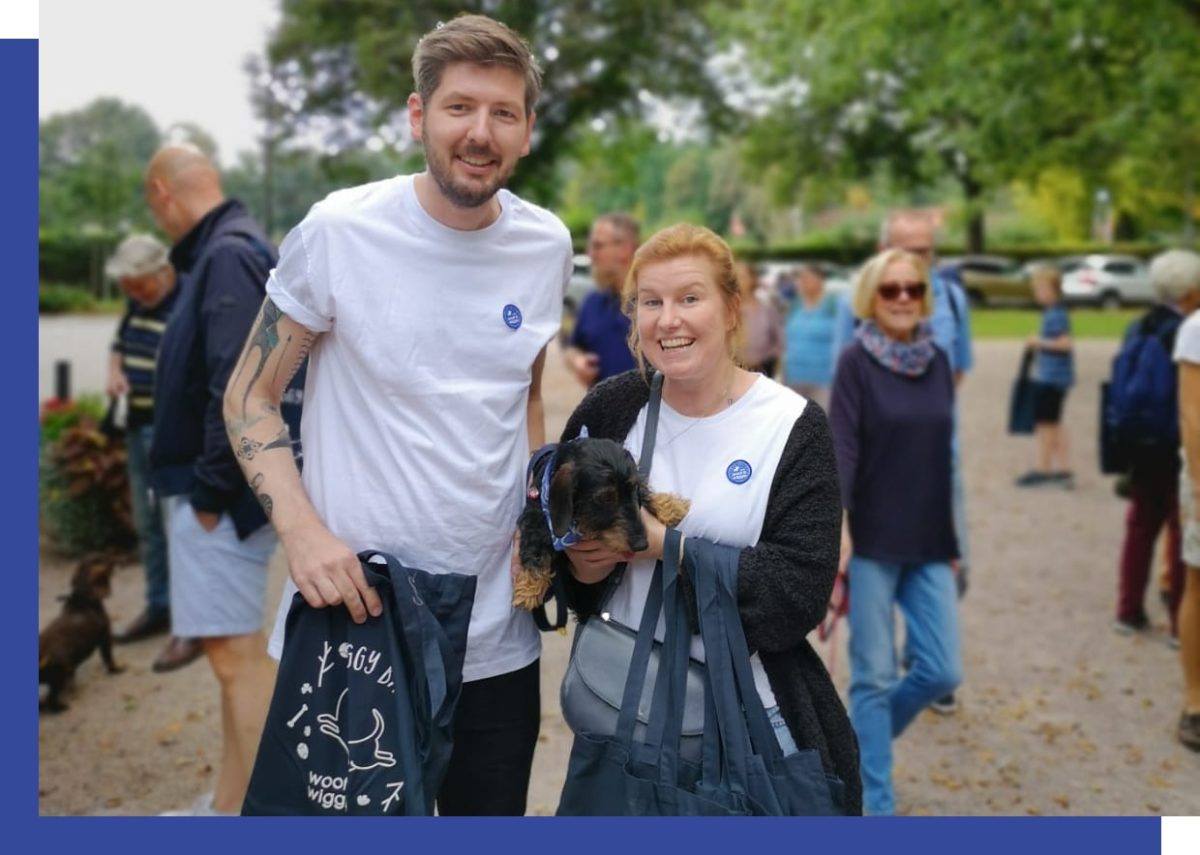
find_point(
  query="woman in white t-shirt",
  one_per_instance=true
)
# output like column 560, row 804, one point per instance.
column 755, row 460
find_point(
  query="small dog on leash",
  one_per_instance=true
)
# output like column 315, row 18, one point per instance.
column 583, row 488
column 80, row 629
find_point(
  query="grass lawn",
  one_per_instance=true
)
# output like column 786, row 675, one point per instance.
column 1019, row 323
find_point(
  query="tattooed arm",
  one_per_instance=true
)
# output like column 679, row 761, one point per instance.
column 326, row 571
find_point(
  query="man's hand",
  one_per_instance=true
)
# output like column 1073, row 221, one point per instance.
column 1033, row 342
column 207, row 519
column 327, row 572
column 118, row 384
column 585, row 366
column 846, row 550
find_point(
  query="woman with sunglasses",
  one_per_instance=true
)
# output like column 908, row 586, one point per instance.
column 892, row 416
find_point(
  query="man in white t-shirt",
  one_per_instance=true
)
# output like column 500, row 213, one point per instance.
column 1183, row 266
column 425, row 303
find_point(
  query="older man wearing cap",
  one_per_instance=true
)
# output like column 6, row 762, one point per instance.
column 141, row 267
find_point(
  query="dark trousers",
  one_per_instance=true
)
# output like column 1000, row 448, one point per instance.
column 1153, row 503
column 495, row 731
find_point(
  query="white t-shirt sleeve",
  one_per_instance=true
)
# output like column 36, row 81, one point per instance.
column 1187, row 340
column 299, row 285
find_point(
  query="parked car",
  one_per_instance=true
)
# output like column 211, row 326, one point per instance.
column 991, row 279
column 1109, row 281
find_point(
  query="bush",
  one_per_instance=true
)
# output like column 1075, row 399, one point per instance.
column 57, row 415
column 61, row 299
column 83, row 481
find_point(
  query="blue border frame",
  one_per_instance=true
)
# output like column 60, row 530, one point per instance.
column 18, row 247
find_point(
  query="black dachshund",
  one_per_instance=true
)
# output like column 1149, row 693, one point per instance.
column 80, row 629
column 584, row 488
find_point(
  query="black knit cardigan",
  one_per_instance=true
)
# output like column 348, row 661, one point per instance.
column 784, row 582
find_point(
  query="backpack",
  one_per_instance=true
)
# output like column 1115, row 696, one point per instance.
column 1139, row 407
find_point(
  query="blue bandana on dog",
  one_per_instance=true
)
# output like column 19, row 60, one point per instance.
column 572, row 535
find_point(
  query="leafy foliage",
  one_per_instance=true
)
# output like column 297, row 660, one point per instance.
column 83, row 481
column 984, row 93
column 344, row 69
column 61, row 299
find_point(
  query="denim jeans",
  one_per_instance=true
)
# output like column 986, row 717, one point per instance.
column 148, row 519
column 784, row 736
column 881, row 704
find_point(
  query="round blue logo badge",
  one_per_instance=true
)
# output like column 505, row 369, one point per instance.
column 512, row 317
column 739, row 472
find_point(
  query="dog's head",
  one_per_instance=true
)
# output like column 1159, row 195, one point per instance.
column 596, row 486
column 93, row 577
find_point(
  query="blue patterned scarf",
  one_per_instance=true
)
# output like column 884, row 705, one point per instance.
column 910, row 358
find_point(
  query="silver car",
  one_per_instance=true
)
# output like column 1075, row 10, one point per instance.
column 1109, row 281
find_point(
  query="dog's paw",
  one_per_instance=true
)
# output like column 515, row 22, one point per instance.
column 529, row 589
column 49, row 706
column 668, row 508
column 115, row 668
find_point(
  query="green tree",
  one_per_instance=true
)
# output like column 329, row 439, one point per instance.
column 344, row 69
column 90, row 164
column 983, row 93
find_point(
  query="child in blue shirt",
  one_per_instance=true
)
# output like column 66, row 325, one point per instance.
column 1054, row 374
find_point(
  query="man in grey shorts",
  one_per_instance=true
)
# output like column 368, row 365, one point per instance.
column 218, row 539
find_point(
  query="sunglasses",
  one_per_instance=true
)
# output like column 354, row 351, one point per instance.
column 892, row 290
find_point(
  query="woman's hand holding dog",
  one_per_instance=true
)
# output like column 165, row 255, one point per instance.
column 592, row 561
column 327, row 572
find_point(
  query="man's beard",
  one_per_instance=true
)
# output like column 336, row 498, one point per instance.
column 463, row 196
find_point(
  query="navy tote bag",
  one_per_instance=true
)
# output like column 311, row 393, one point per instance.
column 755, row 766
column 742, row 770
column 361, row 717
column 620, row 776
column 1020, row 399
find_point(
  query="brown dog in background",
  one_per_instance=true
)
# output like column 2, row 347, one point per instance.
column 80, row 629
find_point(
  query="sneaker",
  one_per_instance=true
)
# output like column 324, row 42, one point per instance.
column 1033, row 478
column 1131, row 627
column 1065, row 479
column 946, row 705
column 1189, row 730
column 202, row 806
column 1173, row 642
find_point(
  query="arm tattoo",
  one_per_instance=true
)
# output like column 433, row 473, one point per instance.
column 265, row 338
column 246, row 447
column 263, row 498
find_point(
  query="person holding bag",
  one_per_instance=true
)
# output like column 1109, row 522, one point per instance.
column 892, row 413
column 756, row 462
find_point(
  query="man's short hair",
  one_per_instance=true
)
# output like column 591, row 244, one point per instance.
column 136, row 256
column 479, row 40
column 622, row 224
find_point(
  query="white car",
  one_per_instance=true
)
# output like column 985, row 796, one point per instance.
column 1109, row 281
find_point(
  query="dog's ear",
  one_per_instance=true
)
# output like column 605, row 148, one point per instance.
column 562, row 499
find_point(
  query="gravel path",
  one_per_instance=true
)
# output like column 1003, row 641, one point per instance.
column 1058, row 714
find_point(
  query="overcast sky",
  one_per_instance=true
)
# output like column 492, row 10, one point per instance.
column 180, row 60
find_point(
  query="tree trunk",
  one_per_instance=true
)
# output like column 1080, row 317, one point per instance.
column 973, row 194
